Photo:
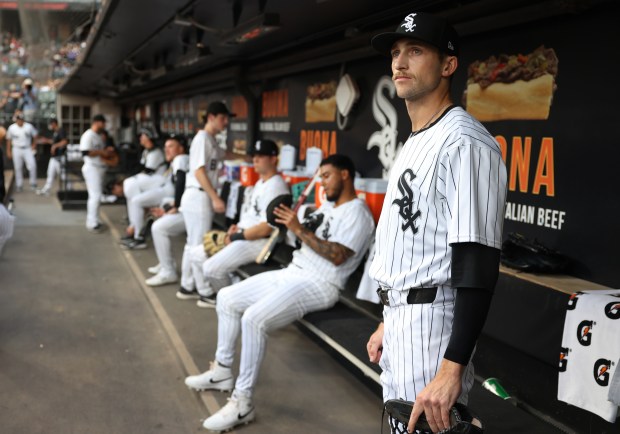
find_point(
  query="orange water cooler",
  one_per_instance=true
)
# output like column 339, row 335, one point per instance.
column 248, row 175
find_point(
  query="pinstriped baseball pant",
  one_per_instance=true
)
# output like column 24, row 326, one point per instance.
column 414, row 342
column 163, row 229
column 260, row 304
column 197, row 211
column 211, row 274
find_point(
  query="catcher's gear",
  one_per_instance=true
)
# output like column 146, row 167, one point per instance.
column 462, row 420
column 283, row 199
column 213, row 242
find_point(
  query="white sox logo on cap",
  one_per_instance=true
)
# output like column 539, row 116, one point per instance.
column 408, row 24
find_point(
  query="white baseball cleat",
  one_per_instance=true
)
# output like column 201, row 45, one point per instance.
column 218, row 377
column 238, row 411
column 155, row 269
column 161, row 279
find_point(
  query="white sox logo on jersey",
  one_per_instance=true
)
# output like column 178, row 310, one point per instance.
column 406, row 202
column 408, row 24
column 326, row 235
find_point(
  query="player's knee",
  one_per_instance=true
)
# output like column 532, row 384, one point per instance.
column 253, row 322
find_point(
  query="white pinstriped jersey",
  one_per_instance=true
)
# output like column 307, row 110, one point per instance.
column 154, row 159
column 203, row 152
column 349, row 224
column 254, row 209
column 448, row 185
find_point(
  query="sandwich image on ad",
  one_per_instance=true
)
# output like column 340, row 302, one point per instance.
column 321, row 102
column 512, row 87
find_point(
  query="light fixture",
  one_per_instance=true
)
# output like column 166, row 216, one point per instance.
column 251, row 29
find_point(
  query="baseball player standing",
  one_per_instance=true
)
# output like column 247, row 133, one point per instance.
column 20, row 147
column 438, row 238
column 93, row 170
column 59, row 146
column 245, row 240
column 200, row 199
column 274, row 299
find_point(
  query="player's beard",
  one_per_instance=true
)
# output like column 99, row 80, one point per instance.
column 333, row 197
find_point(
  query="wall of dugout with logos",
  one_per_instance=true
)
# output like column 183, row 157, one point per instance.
column 546, row 90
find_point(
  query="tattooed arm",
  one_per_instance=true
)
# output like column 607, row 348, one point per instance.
column 333, row 252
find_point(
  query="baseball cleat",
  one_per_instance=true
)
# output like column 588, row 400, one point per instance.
column 238, row 411
column 207, row 301
column 185, row 294
column 43, row 192
column 161, row 279
column 218, row 377
column 135, row 244
column 97, row 229
column 155, row 269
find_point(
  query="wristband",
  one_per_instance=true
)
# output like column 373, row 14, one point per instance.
column 237, row 236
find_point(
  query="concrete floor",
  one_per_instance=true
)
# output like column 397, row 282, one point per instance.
column 86, row 347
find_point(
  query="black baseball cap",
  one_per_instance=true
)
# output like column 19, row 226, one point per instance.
column 423, row 27
column 99, row 118
column 219, row 108
column 265, row 147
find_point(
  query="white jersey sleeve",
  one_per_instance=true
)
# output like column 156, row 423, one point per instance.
column 470, row 181
column 154, row 159
column 197, row 159
column 91, row 141
column 180, row 162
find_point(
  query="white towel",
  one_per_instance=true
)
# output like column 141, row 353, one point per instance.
column 590, row 351
column 233, row 197
column 614, row 387
column 368, row 287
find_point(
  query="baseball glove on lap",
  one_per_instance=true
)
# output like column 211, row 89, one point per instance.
column 213, row 242
column 462, row 421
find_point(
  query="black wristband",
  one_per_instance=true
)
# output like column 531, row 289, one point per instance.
column 237, row 236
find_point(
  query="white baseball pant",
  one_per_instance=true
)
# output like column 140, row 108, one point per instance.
column 21, row 156
column 260, row 304
column 53, row 169
column 136, row 184
column 93, row 176
column 7, row 222
column 414, row 342
column 197, row 211
column 142, row 200
column 165, row 227
column 212, row 274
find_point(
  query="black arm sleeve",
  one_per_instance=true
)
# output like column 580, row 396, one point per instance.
column 148, row 171
column 85, row 153
column 179, row 187
column 475, row 269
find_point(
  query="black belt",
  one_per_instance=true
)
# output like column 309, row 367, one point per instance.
column 414, row 296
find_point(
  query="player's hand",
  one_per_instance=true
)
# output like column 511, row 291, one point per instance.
column 375, row 345
column 157, row 212
column 287, row 217
column 436, row 399
column 218, row 205
column 172, row 210
column 227, row 239
column 232, row 229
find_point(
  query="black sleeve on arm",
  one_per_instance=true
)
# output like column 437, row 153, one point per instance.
column 179, row 188
column 475, row 269
column 148, row 170
column 85, row 153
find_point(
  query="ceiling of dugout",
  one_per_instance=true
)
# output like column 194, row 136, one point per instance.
column 142, row 49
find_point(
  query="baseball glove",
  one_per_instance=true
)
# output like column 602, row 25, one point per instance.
column 213, row 242
column 462, row 420
column 528, row 255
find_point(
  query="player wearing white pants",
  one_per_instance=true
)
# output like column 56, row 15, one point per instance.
column 439, row 235
column 21, row 145
column 267, row 301
column 59, row 146
column 246, row 239
column 92, row 148
column 200, row 199
column 168, row 226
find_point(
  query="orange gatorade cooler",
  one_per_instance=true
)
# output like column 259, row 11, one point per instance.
column 319, row 194
column 248, row 175
column 375, row 189
column 292, row 177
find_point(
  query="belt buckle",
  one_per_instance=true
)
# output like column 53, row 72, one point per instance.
column 383, row 296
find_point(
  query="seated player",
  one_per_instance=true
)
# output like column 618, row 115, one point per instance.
column 271, row 300
column 245, row 240
column 153, row 165
column 153, row 196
